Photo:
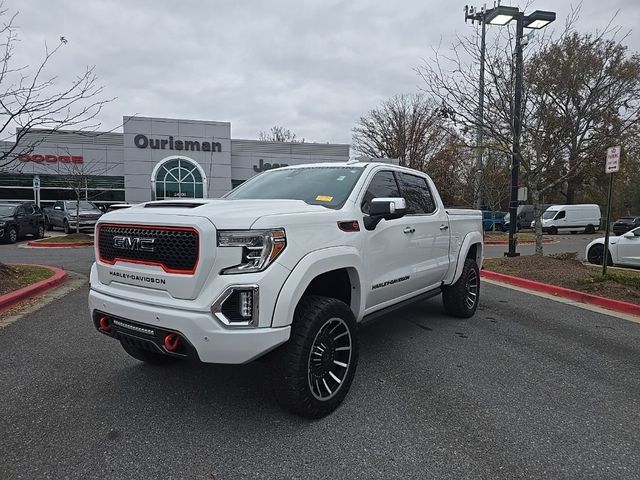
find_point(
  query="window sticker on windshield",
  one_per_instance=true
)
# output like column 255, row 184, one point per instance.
column 340, row 178
column 324, row 198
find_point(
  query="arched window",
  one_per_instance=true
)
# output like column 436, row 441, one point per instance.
column 179, row 178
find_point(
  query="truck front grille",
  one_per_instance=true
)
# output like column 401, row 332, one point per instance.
column 175, row 249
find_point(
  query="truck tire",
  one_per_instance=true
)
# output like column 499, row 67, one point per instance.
column 146, row 356
column 40, row 233
column 590, row 229
column 65, row 227
column 313, row 371
column 461, row 299
column 553, row 231
column 47, row 225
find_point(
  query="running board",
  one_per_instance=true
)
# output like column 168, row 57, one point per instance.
column 418, row 298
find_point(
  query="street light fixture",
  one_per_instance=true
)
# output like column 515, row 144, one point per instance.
column 502, row 15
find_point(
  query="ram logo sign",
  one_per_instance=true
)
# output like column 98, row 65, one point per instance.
column 134, row 243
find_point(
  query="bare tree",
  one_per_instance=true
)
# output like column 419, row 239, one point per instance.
column 31, row 99
column 406, row 127
column 278, row 133
column 76, row 177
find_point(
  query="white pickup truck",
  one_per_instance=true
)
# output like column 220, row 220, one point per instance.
column 287, row 264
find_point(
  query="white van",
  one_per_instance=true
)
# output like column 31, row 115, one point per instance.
column 571, row 218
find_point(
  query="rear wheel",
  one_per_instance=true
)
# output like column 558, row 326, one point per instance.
column 313, row 371
column 461, row 298
column 590, row 229
column 595, row 255
column 147, row 356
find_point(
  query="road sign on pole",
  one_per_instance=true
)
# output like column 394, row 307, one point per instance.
column 612, row 165
column 613, row 160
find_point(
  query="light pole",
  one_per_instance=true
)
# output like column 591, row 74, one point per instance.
column 502, row 15
column 478, row 15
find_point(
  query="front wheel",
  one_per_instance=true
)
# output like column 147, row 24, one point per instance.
column 12, row 235
column 40, row 232
column 313, row 371
column 461, row 299
column 595, row 255
column 553, row 230
column 65, row 226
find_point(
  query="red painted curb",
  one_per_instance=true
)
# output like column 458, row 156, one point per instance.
column 575, row 295
column 36, row 243
column 16, row 296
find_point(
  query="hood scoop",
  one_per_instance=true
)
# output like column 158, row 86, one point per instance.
column 173, row 205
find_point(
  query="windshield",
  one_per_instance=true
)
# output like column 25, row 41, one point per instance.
column 84, row 205
column 7, row 210
column 326, row 186
column 549, row 214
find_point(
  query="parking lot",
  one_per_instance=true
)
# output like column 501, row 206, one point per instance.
column 528, row 388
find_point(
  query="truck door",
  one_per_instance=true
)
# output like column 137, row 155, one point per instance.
column 429, row 243
column 387, row 253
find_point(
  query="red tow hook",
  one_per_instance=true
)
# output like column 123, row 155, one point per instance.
column 171, row 341
column 103, row 325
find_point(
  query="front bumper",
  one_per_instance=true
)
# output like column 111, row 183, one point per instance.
column 83, row 223
column 211, row 341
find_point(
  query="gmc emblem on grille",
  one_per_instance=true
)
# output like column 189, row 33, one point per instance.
column 134, row 243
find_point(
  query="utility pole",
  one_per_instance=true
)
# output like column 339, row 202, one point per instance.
column 478, row 15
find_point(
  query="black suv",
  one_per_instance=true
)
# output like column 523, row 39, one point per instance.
column 17, row 220
column 624, row 224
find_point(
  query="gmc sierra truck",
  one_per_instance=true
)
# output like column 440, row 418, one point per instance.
column 284, row 267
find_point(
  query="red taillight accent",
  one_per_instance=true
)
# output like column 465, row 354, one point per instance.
column 171, row 341
column 104, row 325
column 349, row 226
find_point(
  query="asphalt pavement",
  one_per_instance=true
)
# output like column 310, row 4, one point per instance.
column 528, row 388
column 562, row 243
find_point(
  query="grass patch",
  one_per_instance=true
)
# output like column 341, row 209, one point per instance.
column 565, row 270
column 72, row 237
column 14, row 277
column 504, row 236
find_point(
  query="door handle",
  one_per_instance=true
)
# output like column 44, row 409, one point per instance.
column 408, row 230
column 444, row 227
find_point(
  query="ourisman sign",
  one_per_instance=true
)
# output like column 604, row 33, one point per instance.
column 142, row 141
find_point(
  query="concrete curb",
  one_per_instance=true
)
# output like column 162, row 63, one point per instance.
column 575, row 295
column 41, row 244
column 16, row 296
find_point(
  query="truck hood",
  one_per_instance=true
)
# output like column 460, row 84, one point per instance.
column 224, row 214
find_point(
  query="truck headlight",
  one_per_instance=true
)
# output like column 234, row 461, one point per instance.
column 260, row 248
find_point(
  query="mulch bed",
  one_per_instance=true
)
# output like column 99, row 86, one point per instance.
column 565, row 271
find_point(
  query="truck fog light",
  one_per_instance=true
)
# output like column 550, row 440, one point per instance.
column 246, row 304
column 237, row 306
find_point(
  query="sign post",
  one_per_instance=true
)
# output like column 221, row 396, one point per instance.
column 36, row 189
column 612, row 165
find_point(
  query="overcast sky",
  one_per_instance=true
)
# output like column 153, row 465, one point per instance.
column 314, row 67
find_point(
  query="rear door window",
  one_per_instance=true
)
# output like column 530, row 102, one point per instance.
column 416, row 192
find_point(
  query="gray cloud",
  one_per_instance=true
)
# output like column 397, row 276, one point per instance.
column 313, row 67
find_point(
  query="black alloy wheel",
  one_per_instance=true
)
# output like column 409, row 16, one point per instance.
column 595, row 255
column 40, row 233
column 12, row 235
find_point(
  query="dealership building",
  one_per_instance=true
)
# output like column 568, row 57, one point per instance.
column 152, row 159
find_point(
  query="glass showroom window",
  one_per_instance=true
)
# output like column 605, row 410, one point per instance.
column 179, row 178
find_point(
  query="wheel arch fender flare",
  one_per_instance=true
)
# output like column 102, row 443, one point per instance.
column 308, row 268
column 470, row 239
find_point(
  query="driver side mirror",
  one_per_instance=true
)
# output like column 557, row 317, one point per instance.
column 387, row 208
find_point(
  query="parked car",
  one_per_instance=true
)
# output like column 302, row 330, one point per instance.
column 570, row 218
column 64, row 214
column 491, row 218
column 287, row 264
column 18, row 220
column 623, row 249
column 524, row 216
column 625, row 224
